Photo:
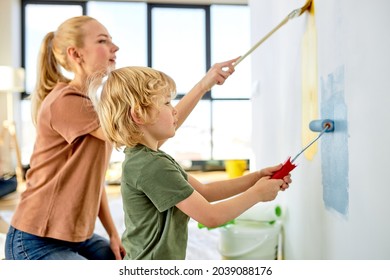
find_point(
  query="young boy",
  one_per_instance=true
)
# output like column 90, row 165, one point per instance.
column 159, row 197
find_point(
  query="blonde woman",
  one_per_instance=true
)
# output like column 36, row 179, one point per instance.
column 159, row 197
column 65, row 192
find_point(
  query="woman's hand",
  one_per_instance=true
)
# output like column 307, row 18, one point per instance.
column 117, row 247
column 217, row 74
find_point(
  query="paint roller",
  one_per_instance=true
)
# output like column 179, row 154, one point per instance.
column 321, row 126
column 293, row 14
column 271, row 214
column 262, row 212
column 259, row 213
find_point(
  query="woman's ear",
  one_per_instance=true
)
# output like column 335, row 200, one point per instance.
column 74, row 55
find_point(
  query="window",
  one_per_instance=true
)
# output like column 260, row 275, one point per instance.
column 181, row 40
column 195, row 37
column 127, row 25
column 38, row 20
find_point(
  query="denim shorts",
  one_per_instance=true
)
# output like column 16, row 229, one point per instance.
column 24, row 246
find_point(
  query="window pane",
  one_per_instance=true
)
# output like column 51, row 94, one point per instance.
column 232, row 130
column 126, row 23
column 178, row 44
column 192, row 139
column 41, row 19
column 230, row 38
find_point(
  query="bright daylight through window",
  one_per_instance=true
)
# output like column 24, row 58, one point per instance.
column 181, row 40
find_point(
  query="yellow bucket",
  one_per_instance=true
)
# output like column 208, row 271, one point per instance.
column 235, row 168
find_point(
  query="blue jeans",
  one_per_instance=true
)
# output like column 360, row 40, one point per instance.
column 24, row 246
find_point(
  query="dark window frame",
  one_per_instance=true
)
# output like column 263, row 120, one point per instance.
column 83, row 5
column 206, row 8
column 150, row 6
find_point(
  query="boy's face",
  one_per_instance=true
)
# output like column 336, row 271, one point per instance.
column 165, row 117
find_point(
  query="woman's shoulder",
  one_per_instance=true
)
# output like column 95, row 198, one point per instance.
column 67, row 89
column 65, row 95
column 62, row 89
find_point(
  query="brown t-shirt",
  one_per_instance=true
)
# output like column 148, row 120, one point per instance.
column 65, row 181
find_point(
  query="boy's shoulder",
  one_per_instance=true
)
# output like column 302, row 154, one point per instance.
column 142, row 155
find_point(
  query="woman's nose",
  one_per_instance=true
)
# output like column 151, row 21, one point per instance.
column 115, row 47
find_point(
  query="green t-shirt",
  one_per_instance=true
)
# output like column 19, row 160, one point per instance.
column 152, row 184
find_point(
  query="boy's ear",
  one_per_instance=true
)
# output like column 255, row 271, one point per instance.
column 135, row 117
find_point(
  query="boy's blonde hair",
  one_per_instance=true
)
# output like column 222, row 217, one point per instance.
column 53, row 56
column 126, row 91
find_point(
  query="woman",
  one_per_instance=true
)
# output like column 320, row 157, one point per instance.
column 65, row 191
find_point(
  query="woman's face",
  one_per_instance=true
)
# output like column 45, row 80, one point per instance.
column 98, row 52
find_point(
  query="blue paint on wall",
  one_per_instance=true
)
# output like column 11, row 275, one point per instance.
column 334, row 146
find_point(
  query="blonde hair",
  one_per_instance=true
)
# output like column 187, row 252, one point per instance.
column 126, row 91
column 53, row 55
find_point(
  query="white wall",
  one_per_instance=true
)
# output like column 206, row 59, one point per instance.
column 352, row 37
column 10, row 49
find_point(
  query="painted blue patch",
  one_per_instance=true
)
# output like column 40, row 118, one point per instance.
column 334, row 146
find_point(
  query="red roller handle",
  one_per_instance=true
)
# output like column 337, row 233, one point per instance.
column 285, row 170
